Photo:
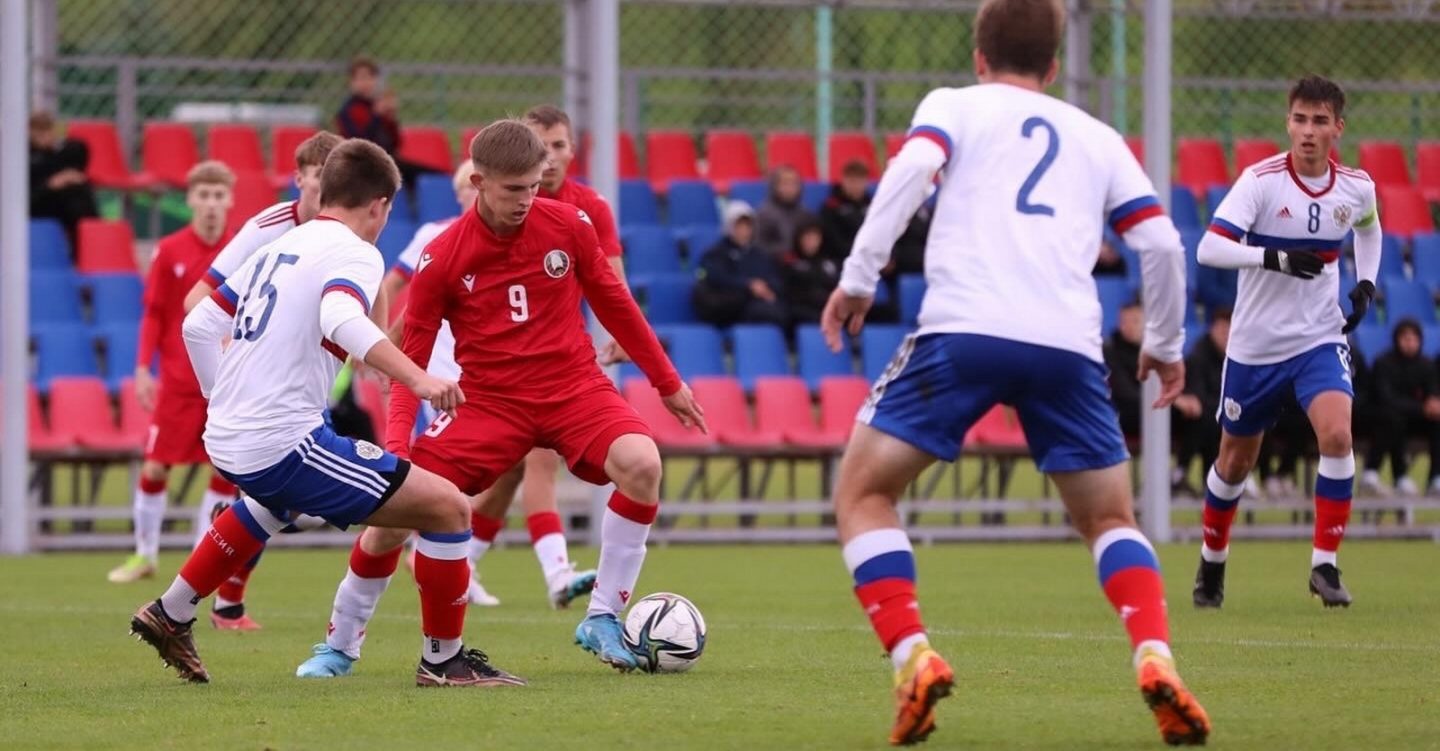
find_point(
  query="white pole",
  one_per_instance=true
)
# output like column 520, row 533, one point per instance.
column 14, row 277
column 1155, row 428
column 603, row 89
column 572, row 96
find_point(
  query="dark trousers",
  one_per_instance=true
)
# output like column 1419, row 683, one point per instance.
column 1199, row 437
column 69, row 205
column 1393, row 430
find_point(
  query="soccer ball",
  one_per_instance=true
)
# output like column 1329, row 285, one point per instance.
column 667, row 633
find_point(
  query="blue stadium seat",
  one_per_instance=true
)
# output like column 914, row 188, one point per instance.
column 392, row 241
column 649, row 250
column 813, row 195
column 1194, row 332
column 1406, row 299
column 1213, row 196
column 816, row 361
column 121, row 343
column 637, row 203
column 667, row 299
column 63, row 349
column 696, row 349
column 49, row 248
column 759, row 351
column 1430, row 341
column 1216, row 288
column 1191, row 240
column 1114, row 292
column 1392, row 258
column 1373, row 340
column 116, row 298
column 436, row 195
column 912, row 293
column 691, row 202
column 752, row 192
column 1425, row 258
column 1184, row 209
column 878, row 344
column 698, row 238
column 54, row 298
column 404, row 200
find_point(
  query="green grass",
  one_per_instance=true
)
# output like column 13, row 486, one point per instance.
column 1042, row 661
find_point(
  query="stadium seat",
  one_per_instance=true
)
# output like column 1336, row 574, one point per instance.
column 62, row 350
column 1427, row 170
column 1425, row 258
column 878, row 344
column 108, row 166
column 669, row 433
column 238, row 146
column 80, row 410
column 692, row 202
column 649, row 250
column 1385, row 162
column 254, row 192
column 106, row 246
column 912, row 293
column 115, row 298
column 637, row 203
column 1184, row 209
column 759, row 352
column 38, row 434
column 998, row 429
column 848, row 147
column 1407, row 299
column 1194, row 332
column 792, row 149
column 1392, row 257
column 752, row 192
column 670, row 155
column 134, row 418
column 698, row 238
column 397, row 234
column 893, row 143
column 54, row 298
column 1251, row 150
column 1403, row 211
column 667, row 299
column 728, row 414
column 628, row 157
column 121, row 344
column 813, row 194
column 1213, row 198
column 730, row 155
column 1373, row 340
column 782, row 405
column 1114, row 293
column 49, row 248
column 840, row 400
column 436, row 194
column 1201, row 164
column 1137, row 147
column 696, row 349
column 428, row 147
column 814, row 359
column 167, row 152
column 284, row 140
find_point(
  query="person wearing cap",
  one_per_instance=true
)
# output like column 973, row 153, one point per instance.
column 738, row 281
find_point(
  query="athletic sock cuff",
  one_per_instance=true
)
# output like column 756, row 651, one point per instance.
column 635, row 511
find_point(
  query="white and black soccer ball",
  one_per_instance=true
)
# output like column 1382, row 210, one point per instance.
column 666, row 631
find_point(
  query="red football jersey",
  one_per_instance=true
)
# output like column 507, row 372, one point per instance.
column 595, row 206
column 513, row 304
column 180, row 260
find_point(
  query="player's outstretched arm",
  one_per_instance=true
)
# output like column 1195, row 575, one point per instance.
column 204, row 330
column 388, row 359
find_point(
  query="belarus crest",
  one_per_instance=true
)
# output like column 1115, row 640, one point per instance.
column 557, row 263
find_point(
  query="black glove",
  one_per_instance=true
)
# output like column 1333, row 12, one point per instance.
column 1301, row 264
column 1360, row 299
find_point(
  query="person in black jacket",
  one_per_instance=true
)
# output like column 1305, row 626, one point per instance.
column 1122, row 357
column 1407, row 403
column 59, row 188
column 1197, row 405
column 739, row 282
column 810, row 277
column 844, row 210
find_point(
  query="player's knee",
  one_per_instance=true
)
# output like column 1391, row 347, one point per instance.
column 1334, row 441
column 636, row 466
column 153, row 471
column 453, row 514
column 1233, row 467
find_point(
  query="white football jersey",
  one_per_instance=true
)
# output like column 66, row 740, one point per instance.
column 257, row 232
column 1028, row 183
column 274, row 379
column 1278, row 316
column 442, row 358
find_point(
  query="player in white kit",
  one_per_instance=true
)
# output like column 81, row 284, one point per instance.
column 1283, row 225
column 1010, row 316
column 293, row 312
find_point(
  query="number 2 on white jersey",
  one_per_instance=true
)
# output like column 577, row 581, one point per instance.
column 520, row 302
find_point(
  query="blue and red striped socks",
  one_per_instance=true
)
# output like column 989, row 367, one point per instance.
column 1130, row 575
column 883, row 566
column 1221, row 498
column 1333, row 489
column 236, row 537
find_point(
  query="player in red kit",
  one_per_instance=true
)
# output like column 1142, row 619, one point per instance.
column 509, row 278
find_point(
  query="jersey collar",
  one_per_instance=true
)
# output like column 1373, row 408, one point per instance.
column 1290, row 167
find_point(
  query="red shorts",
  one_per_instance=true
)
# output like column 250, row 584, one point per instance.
column 489, row 435
column 176, row 430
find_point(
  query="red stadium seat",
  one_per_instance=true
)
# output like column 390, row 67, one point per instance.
column 731, row 156
column 1137, row 147
column 792, row 149
column 1201, row 165
column 782, row 405
column 253, row 194
column 729, row 416
column 840, row 400
column 893, row 143
column 998, row 429
column 134, row 419
column 1403, row 211
column 1251, row 150
column 38, row 432
column 108, row 166
column 1427, row 170
column 237, row 146
column 848, row 147
column 284, row 140
column 427, row 146
column 668, row 431
column 1335, row 155
column 168, row 151
column 106, row 246
column 629, row 158
column 1385, row 161
column 670, row 155
column 468, row 135
column 80, row 411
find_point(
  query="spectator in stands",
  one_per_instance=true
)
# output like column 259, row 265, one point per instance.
column 810, row 275
column 1111, row 263
column 739, row 281
column 370, row 112
column 1122, row 357
column 1280, row 450
column 844, row 210
column 59, row 188
column 908, row 256
column 1195, row 408
column 1407, row 404
column 781, row 213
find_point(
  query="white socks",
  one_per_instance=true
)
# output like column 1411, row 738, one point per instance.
column 355, row 603
column 179, row 601
column 554, row 557
column 622, row 553
column 902, row 651
column 149, row 512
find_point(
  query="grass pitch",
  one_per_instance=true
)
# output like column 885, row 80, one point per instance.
column 1042, row 661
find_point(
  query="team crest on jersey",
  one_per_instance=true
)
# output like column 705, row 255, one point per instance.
column 557, row 263
column 1232, row 409
column 368, row 450
column 1342, row 215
